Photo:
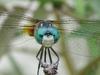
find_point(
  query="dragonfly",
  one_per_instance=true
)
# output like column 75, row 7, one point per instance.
column 47, row 33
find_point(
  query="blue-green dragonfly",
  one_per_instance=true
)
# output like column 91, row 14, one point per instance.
column 47, row 33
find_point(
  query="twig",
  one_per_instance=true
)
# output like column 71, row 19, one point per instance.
column 66, row 56
column 14, row 64
column 94, row 65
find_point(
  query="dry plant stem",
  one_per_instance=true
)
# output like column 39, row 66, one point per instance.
column 65, row 53
column 70, row 12
column 15, row 65
column 6, row 33
column 92, row 65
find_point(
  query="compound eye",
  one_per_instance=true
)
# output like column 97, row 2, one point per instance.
column 41, row 24
column 50, row 25
column 41, row 35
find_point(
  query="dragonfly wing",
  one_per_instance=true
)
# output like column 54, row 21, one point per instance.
column 29, row 31
column 86, row 27
column 28, row 18
column 68, row 21
column 65, row 21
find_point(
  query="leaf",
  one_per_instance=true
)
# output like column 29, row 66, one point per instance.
column 57, row 3
column 40, row 13
column 94, row 45
column 43, row 2
column 96, row 6
column 92, row 68
column 80, row 7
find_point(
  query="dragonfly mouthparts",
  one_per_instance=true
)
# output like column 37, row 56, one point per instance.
column 48, row 41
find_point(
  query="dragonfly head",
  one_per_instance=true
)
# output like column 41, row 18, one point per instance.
column 46, row 34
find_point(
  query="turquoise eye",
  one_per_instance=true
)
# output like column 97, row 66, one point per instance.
column 40, row 35
column 55, row 33
column 46, row 31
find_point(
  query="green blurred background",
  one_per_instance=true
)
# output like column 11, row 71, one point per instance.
column 78, row 48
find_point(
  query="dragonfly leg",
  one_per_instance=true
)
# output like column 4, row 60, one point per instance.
column 45, row 53
column 51, row 69
column 56, row 55
column 49, row 55
column 41, row 50
column 39, row 53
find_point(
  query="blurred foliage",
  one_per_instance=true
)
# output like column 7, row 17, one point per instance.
column 10, row 21
column 95, row 4
column 2, row 8
column 82, row 9
column 40, row 13
column 13, row 1
column 91, row 68
column 17, row 70
column 55, row 3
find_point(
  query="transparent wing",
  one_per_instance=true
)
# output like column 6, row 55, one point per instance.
column 66, row 21
column 87, row 28
column 84, row 30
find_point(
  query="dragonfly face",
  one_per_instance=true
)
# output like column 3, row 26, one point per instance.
column 46, row 34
